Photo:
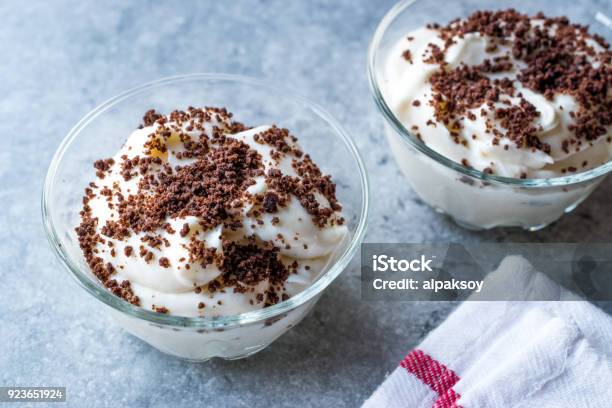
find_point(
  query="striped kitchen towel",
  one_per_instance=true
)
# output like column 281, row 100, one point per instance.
column 509, row 354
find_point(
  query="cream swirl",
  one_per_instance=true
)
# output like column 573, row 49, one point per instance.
column 175, row 278
column 407, row 88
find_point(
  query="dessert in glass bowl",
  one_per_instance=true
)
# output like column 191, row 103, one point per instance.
column 207, row 234
column 499, row 118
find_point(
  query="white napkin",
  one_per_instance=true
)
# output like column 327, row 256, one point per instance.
column 509, row 353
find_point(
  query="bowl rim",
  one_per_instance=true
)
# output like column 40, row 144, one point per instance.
column 414, row 142
column 102, row 294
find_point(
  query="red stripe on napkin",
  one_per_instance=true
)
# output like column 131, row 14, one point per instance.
column 434, row 374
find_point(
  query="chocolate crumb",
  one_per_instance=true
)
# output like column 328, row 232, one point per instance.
column 161, row 309
column 407, row 56
column 185, row 230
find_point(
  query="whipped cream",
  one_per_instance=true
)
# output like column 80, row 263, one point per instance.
column 183, row 264
column 408, row 90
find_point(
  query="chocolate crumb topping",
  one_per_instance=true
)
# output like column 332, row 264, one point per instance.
column 150, row 117
column 212, row 186
column 556, row 58
column 205, row 189
column 250, row 264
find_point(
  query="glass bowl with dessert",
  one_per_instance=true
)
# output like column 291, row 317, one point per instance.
column 206, row 212
column 496, row 115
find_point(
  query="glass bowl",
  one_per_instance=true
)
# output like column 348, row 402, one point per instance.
column 101, row 133
column 474, row 199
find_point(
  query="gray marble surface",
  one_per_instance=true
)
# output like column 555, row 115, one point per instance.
column 62, row 58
